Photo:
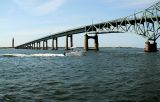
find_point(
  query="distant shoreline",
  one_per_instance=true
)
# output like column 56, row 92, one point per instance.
column 6, row 48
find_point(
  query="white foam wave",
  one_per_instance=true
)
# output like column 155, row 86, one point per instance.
column 32, row 55
column 75, row 53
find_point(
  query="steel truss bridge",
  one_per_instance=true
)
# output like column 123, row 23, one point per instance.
column 145, row 23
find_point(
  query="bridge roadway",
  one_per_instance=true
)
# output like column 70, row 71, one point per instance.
column 142, row 25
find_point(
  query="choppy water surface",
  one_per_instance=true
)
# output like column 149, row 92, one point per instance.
column 110, row 75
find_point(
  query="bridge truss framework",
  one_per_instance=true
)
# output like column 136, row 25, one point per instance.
column 145, row 23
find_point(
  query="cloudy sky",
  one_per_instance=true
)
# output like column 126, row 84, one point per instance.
column 26, row 20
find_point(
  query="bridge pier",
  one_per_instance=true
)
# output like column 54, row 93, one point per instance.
column 34, row 44
column 43, row 45
column 54, row 40
column 71, row 41
column 56, row 43
column 46, row 45
column 86, row 42
column 30, row 46
column 39, row 45
column 96, row 45
column 150, row 47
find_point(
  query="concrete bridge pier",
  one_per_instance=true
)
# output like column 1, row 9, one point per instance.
column 54, row 40
column 28, row 46
column 43, row 46
column 71, row 42
column 96, row 45
column 53, row 44
column 31, row 45
column 34, row 45
column 150, row 47
column 25, row 46
column 86, row 42
column 37, row 45
column 56, row 43
column 46, row 45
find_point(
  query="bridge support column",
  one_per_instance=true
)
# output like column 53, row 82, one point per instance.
column 30, row 46
column 86, row 42
column 96, row 45
column 43, row 45
column 34, row 45
column 37, row 45
column 56, row 43
column 46, row 45
column 150, row 47
column 53, row 44
column 26, row 46
column 66, row 48
column 54, row 40
column 71, row 42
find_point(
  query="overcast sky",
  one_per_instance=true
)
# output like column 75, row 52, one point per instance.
column 26, row 20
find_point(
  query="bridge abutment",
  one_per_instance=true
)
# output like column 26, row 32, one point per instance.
column 150, row 47
column 96, row 45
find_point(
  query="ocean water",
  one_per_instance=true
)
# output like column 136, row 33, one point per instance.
column 109, row 75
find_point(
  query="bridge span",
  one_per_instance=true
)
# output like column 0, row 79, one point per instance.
column 145, row 23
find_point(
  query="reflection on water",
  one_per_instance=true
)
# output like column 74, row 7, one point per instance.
column 110, row 75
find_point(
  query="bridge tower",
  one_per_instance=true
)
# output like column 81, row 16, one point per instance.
column 86, row 38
